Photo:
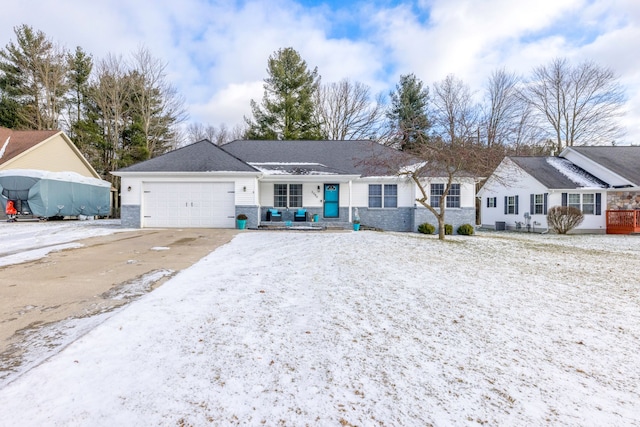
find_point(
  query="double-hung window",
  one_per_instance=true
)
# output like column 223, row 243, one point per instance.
column 538, row 204
column 452, row 199
column 573, row 200
column 511, row 205
column 492, row 202
column 437, row 190
column 383, row 196
column 287, row 195
column 588, row 203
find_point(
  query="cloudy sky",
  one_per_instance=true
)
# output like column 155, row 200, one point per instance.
column 216, row 50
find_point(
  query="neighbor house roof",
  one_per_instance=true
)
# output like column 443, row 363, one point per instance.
column 15, row 142
column 558, row 173
column 365, row 158
column 622, row 160
column 202, row 156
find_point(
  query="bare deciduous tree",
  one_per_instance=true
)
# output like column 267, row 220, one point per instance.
column 219, row 135
column 453, row 152
column 580, row 104
column 502, row 109
column 346, row 111
column 156, row 102
column 109, row 95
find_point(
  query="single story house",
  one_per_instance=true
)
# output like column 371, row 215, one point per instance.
column 204, row 185
column 603, row 182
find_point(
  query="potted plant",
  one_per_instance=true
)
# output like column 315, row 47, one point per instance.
column 356, row 224
column 241, row 221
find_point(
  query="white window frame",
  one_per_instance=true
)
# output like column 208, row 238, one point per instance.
column 291, row 198
column 436, row 191
column 387, row 196
column 511, row 205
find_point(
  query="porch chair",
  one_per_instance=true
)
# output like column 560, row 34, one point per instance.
column 274, row 215
column 300, row 215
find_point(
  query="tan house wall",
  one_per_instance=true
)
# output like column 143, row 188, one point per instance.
column 54, row 155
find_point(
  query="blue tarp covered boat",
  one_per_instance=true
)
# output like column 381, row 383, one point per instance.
column 46, row 194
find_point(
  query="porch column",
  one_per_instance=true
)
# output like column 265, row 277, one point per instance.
column 350, row 196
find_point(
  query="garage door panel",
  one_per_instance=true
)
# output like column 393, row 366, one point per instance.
column 189, row 204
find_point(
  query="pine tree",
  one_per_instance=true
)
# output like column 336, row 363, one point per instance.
column 33, row 74
column 408, row 112
column 287, row 109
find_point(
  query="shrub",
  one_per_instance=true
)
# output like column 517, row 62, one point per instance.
column 242, row 217
column 563, row 219
column 448, row 229
column 466, row 229
column 426, row 228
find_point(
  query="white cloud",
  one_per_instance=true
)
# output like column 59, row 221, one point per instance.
column 217, row 50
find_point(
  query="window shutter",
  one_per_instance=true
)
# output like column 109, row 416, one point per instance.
column 544, row 208
column 506, row 208
column 598, row 204
column 564, row 199
column 531, row 205
column 516, row 205
column 488, row 201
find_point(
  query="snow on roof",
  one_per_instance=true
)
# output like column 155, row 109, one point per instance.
column 574, row 173
column 56, row 176
column 295, row 168
column 4, row 147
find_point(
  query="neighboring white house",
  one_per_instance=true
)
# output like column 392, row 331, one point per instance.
column 203, row 185
column 600, row 181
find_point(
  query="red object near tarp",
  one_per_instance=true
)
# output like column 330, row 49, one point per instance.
column 11, row 210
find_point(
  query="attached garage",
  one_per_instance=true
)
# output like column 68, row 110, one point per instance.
column 188, row 204
column 196, row 186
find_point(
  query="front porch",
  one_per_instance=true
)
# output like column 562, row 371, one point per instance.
column 623, row 221
column 305, row 225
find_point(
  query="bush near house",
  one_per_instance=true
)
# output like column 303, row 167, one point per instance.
column 466, row 229
column 448, row 229
column 426, row 228
column 563, row 219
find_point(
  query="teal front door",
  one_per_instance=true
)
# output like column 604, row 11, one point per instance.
column 331, row 200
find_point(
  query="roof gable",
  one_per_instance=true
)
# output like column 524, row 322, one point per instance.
column 202, row 156
column 14, row 143
column 557, row 173
column 620, row 160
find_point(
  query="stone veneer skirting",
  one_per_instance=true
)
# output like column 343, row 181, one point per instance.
column 130, row 216
column 623, row 200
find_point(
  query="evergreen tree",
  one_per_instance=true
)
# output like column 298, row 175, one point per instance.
column 287, row 109
column 33, row 74
column 408, row 112
column 80, row 66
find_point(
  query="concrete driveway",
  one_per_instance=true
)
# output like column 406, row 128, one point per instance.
column 94, row 278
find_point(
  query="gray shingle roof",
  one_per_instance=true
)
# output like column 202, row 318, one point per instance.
column 624, row 161
column 365, row 158
column 557, row 173
column 203, row 156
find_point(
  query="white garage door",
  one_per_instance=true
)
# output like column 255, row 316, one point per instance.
column 188, row 204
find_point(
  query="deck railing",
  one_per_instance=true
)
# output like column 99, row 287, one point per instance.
column 623, row 222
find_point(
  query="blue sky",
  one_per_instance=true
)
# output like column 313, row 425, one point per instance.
column 216, row 50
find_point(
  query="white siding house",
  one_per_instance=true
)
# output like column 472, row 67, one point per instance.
column 600, row 181
column 203, row 185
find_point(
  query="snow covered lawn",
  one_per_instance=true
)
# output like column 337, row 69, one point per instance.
column 366, row 328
